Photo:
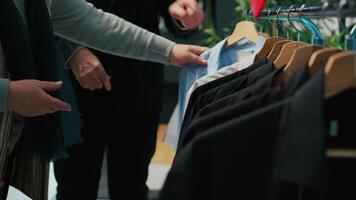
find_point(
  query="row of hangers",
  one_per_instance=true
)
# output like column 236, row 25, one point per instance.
column 338, row 65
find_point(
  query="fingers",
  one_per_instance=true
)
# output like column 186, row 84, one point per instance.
column 195, row 52
column 91, row 86
column 192, row 5
column 83, row 83
column 49, row 86
column 104, row 78
column 187, row 12
column 198, row 49
column 57, row 105
column 177, row 11
column 95, row 82
column 95, row 79
column 197, row 59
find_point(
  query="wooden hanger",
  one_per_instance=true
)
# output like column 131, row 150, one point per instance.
column 300, row 58
column 340, row 73
column 341, row 153
column 243, row 29
column 319, row 59
column 277, row 47
column 286, row 53
column 265, row 35
column 268, row 46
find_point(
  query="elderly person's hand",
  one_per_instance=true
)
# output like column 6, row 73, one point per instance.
column 187, row 12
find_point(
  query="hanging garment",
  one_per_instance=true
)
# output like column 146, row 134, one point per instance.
column 340, row 114
column 220, row 81
column 256, row 161
column 219, row 74
column 218, row 57
column 225, row 90
column 223, row 109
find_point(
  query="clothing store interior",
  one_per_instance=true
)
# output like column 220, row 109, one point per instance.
column 268, row 117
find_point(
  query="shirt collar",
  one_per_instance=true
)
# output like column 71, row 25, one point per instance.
column 214, row 54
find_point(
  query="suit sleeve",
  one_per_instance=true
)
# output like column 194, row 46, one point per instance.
column 80, row 22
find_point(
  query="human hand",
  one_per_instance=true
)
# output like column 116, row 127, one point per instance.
column 88, row 70
column 187, row 12
column 29, row 98
column 185, row 54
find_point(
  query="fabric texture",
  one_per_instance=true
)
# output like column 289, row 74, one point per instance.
column 219, row 74
column 218, row 57
column 262, row 160
column 262, row 93
column 228, row 89
column 173, row 122
column 38, row 51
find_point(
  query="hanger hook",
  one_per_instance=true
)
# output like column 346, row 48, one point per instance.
column 269, row 20
column 289, row 20
column 323, row 8
column 249, row 13
column 278, row 22
column 301, row 18
column 301, row 15
column 341, row 5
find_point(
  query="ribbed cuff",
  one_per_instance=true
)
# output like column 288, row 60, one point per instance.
column 160, row 49
column 4, row 90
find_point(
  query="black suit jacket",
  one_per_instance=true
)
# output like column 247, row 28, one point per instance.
column 136, row 85
column 271, row 153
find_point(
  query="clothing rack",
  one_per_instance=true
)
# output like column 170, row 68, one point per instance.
column 342, row 8
column 305, row 13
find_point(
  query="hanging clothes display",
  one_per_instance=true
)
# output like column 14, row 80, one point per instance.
column 268, row 126
column 218, row 57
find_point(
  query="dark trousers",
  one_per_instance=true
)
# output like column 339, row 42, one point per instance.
column 128, row 156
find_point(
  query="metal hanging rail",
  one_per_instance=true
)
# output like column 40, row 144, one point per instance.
column 341, row 8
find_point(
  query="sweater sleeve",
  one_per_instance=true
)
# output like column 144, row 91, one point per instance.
column 81, row 22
